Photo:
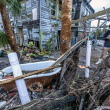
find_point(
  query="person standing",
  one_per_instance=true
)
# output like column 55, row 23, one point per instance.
column 106, row 48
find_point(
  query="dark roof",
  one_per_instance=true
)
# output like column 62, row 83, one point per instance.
column 90, row 7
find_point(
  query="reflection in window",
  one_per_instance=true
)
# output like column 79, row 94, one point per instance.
column 28, row 6
column 53, row 9
column 23, row 9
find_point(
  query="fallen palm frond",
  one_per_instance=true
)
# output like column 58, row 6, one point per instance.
column 3, row 39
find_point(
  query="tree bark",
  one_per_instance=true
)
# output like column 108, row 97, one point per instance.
column 66, row 24
column 8, row 28
column 54, row 101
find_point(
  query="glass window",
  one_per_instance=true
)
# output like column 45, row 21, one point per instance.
column 28, row 6
column 86, row 12
column 59, row 13
column 72, row 13
column 30, row 33
column 23, row 9
column 10, row 16
column 60, row 2
column 53, row 9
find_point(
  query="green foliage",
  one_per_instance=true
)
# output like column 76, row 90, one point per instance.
column 44, row 53
column 32, row 55
column 8, row 52
column 55, row 24
column 31, row 44
column 50, row 43
column 74, row 82
column 25, row 49
column 41, row 53
column 14, row 6
column 21, row 51
column 100, row 32
column 3, row 39
column 27, row 55
column 24, row 45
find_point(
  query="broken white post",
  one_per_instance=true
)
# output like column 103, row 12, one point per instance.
column 88, row 56
column 21, row 86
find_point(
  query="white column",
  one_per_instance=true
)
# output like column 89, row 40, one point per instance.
column 88, row 56
column 21, row 86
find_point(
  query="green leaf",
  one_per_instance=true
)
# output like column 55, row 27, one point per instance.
column 74, row 82
column 57, row 2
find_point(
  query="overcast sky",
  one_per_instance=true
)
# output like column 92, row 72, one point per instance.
column 98, row 6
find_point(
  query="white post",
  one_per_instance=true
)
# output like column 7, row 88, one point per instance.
column 88, row 56
column 21, row 86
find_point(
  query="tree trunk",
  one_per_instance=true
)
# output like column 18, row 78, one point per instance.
column 54, row 101
column 66, row 24
column 8, row 28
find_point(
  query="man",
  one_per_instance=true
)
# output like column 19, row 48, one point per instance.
column 106, row 47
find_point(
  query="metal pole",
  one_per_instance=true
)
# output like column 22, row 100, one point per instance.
column 88, row 57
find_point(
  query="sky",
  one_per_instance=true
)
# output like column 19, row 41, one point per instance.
column 98, row 6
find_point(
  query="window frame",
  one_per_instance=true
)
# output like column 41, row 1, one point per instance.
column 25, row 1
column 56, row 10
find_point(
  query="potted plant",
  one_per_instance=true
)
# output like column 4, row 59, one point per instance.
column 32, row 55
column 31, row 47
column 31, row 44
column 27, row 58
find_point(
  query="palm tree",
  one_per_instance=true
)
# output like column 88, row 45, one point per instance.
column 66, row 25
column 14, row 7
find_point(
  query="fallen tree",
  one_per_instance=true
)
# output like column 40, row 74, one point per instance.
column 61, row 98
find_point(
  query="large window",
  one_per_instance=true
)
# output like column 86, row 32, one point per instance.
column 53, row 9
column 23, row 9
column 56, row 8
column 26, row 7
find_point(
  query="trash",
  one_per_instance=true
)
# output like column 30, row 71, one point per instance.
column 2, row 104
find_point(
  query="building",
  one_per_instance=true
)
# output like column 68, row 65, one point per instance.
column 81, row 8
column 40, row 21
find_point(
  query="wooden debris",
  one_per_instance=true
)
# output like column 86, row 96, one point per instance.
column 11, row 99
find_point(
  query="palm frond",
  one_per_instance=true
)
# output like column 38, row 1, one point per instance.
column 3, row 39
column 14, row 7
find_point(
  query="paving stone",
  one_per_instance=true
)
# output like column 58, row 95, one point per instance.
column 46, row 56
column 51, row 57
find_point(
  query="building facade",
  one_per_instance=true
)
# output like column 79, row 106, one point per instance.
column 81, row 8
column 40, row 21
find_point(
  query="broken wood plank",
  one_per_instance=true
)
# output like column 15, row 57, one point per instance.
column 29, row 74
column 92, row 16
